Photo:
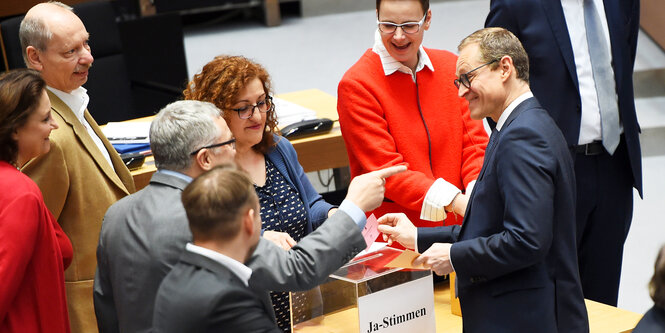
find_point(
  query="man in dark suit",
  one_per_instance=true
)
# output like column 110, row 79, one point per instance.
column 223, row 278
column 582, row 54
column 515, row 254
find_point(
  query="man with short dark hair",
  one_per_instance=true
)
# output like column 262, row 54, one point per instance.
column 223, row 278
column 82, row 174
column 515, row 253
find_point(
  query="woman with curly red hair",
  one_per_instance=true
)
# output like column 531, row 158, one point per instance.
column 290, row 206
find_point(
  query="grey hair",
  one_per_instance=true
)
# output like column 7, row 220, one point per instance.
column 181, row 128
column 34, row 32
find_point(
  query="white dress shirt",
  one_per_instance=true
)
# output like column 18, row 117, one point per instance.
column 573, row 11
column 390, row 65
column 239, row 269
column 77, row 101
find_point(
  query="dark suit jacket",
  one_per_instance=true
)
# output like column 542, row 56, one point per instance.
column 144, row 234
column 652, row 322
column 515, row 253
column 180, row 306
column 541, row 27
column 201, row 295
column 142, row 237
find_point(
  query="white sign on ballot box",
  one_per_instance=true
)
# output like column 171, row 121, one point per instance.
column 408, row 307
column 367, row 296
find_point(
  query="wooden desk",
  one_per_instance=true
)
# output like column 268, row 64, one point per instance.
column 602, row 318
column 324, row 151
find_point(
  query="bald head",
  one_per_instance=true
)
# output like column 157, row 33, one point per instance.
column 34, row 28
column 54, row 41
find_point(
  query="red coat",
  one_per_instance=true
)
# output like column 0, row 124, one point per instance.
column 381, row 126
column 34, row 253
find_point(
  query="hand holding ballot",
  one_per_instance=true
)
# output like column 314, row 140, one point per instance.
column 398, row 227
column 436, row 258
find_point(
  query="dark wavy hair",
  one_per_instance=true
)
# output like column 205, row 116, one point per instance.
column 424, row 4
column 657, row 283
column 20, row 92
column 220, row 82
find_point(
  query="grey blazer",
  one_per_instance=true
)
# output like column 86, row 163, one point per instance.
column 144, row 234
column 199, row 296
column 142, row 237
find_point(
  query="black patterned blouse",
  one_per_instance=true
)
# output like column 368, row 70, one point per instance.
column 281, row 210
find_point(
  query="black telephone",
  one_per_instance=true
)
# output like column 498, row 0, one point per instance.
column 307, row 127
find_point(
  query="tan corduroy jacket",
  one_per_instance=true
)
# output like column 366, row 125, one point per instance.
column 79, row 185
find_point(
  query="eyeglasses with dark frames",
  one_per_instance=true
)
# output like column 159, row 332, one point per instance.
column 407, row 27
column 263, row 106
column 231, row 142
column 464, row 78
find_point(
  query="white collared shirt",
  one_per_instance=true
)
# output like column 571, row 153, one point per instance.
column 511, row 107
column 573, row 10
column 77, row 101
column 390, row 65
column 239, row 269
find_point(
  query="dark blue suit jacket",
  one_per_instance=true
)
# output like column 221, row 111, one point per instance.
column 515, row 253
column 541, row 27
column 201, row 295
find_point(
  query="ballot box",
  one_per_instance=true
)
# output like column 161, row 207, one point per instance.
column 365, row 296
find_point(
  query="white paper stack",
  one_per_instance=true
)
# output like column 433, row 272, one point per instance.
column 127, row 132
column 289, row 112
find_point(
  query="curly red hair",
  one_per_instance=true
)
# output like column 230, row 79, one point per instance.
column 220, row 82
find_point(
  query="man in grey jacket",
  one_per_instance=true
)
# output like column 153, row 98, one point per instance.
column 144, row 234
column 222, row 280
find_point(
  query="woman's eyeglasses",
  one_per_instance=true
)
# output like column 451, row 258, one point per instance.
column 263, row 106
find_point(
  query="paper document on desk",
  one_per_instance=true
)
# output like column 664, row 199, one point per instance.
column 127, row 132
column 289, row 112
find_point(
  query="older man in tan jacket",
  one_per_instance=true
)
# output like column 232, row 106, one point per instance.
column 82, row 175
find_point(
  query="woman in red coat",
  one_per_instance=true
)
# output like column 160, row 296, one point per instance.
column 34, row 251
column 397, row 105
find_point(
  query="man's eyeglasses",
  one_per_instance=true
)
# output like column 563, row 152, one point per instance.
column 264, row 106
column 464, row 78
column 407, row 27
column 231, row 142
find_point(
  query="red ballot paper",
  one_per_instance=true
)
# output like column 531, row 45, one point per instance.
column 371, row 231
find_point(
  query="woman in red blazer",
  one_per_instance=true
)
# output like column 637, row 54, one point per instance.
column 34, row 251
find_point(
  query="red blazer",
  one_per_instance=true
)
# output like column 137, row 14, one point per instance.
column 381, row 126
column 34, row 253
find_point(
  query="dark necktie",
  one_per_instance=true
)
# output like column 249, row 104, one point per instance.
column 602, row 76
